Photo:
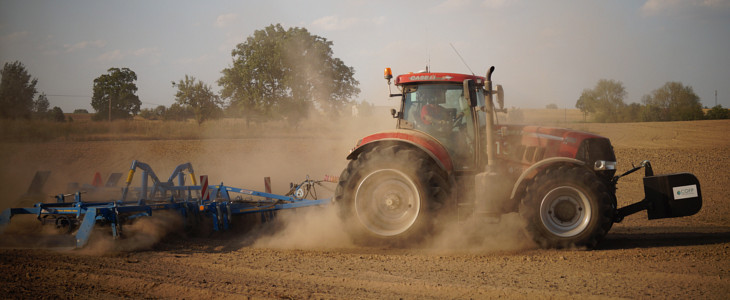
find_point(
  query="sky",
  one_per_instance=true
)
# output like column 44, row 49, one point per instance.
column 544, row 52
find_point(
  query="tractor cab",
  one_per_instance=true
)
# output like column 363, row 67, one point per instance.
column 438, row 104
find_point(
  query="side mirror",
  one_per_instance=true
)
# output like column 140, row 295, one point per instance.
column 500, row 96
column 394, row 113
column 470, row 92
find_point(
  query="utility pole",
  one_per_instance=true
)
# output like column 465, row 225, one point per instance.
column 715, row 97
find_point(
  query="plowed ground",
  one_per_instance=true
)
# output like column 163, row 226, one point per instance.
column 305, row 254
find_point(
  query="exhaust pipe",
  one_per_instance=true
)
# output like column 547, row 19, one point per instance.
column 491, row 187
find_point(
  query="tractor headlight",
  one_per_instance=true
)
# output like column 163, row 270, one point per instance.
column 603, row 165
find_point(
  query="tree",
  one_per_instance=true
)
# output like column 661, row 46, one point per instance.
column 198, row 97
column 673, row 102
column 605, row 101
column 114, row 95
column 632, row 113
column 718, row 113
column 364, row 109
column 56, row 114
column 17, row 90
column 81, row 111
column 40, row 106
column 551, row 106
column 287, row 73
column 177, row 112
column 156, row 113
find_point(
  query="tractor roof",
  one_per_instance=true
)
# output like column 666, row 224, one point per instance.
column 437, row 78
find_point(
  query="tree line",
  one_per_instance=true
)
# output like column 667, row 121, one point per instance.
column 276, row 73
column 671, row 102
column 17, row 96
column 288, row 74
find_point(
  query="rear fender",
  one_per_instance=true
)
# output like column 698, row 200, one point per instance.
column 545, row 163
column 426, row 143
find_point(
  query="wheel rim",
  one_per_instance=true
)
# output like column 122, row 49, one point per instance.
column 565, row 211
column 387, row 202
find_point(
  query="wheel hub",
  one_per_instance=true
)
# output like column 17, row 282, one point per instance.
column 387, row 202
column 565, row 211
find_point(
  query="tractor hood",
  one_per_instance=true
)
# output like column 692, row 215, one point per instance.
column 529, row 144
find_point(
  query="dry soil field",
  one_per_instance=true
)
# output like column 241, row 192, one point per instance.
column 305, row 254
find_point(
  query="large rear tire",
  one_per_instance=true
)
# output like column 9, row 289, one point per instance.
column 567, row 206
column 389, row 195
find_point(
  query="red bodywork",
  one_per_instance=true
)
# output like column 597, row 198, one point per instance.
column 529, row 144
column 518, row 144
column 523, row 145
column 416, row 138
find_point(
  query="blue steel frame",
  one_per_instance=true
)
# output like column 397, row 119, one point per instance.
column 184, row 199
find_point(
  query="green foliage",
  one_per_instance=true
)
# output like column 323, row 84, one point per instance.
column 197, row 96
column 632, row 112
column 551, row 106
column 17, row 90
column 286, row 73
column 177, row 112
column 117, row 88
column 81, row 111
column 56, row 114
column 40, row 107
column 605, row 101
column 718, row 113
column 157, row 113
column 672, row 102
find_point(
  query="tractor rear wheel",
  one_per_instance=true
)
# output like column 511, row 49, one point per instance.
column 389, row 195
column 567, row 206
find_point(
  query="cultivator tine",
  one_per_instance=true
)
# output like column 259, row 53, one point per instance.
column 267, row 186
column 82, row 236
column 5, row 218
column 39, row 180
column 113, row 179
column 267, row 216
column 97, row 180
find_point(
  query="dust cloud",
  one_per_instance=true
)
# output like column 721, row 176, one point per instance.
column 322, row 228
column 473, row 235
column 142, row 234
column 307, row 228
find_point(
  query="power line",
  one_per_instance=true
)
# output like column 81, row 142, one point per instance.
column 71, row 96
column 86, row 96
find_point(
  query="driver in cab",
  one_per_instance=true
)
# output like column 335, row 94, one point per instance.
column 432, row 113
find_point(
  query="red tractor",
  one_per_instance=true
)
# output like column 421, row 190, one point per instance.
column 448, row 157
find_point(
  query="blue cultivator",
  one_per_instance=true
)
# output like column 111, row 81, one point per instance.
column 189, row 200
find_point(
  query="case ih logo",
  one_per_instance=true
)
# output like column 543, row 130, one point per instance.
column 429, row 77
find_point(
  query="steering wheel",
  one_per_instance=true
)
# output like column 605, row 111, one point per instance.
column 457, row 120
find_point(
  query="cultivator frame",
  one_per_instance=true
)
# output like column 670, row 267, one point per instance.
column 191, row 201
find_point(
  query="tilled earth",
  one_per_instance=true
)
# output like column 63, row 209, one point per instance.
column 306, row 255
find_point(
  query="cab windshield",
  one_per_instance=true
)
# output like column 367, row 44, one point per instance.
column 442, row 111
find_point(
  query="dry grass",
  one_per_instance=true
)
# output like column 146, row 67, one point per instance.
column 43, row 131
column 83, row 129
